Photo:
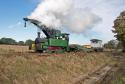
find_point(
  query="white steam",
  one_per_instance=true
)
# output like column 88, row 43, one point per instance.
column 63, row 13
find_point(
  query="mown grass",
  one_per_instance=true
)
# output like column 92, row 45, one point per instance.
column 30, row 68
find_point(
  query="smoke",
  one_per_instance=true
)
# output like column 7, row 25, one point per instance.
column 64, row 13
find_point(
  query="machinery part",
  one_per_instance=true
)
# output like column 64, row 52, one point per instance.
column 55, row 41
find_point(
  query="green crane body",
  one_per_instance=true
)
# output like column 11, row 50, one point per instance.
column 55, row 41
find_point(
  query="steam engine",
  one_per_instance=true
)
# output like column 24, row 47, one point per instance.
column 55, row 41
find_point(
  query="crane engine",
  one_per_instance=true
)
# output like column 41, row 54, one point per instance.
column 55, row 41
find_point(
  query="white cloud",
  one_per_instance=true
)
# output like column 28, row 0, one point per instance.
column 108, row 10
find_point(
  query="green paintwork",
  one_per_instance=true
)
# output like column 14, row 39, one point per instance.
column 44, row 47
column 54, row 42
column 58, row 42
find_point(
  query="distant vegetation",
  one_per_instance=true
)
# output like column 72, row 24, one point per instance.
column 10, row 41
column 112, row 44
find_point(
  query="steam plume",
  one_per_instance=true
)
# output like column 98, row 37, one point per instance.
column 64, row 13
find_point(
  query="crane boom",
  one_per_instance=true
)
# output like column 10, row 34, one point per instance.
column 49, row 32
column 37, row 23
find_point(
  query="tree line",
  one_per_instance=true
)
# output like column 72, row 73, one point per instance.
column 113, row 44
column 10, row 41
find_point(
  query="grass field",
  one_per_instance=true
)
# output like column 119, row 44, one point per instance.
column 14, row 48
column 35, row 68
column 119, row 76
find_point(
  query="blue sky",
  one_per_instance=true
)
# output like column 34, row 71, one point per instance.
column 12, row 12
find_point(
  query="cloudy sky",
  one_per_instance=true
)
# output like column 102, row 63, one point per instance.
column 12, row 12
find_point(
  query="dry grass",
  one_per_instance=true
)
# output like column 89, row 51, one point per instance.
column 14, row 48
column 34, row 68
column 118, row 77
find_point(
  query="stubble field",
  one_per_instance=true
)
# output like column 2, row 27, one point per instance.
column 24, row 67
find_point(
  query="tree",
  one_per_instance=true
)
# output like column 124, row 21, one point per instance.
column 119, row 46
column 9, row 41
column 112, row 44
column 29, row 42
column 119, row 29
column 21, row 43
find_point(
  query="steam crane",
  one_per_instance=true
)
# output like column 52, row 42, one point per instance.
column 55, row 41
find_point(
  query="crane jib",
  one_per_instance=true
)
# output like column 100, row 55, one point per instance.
column 38, row 24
